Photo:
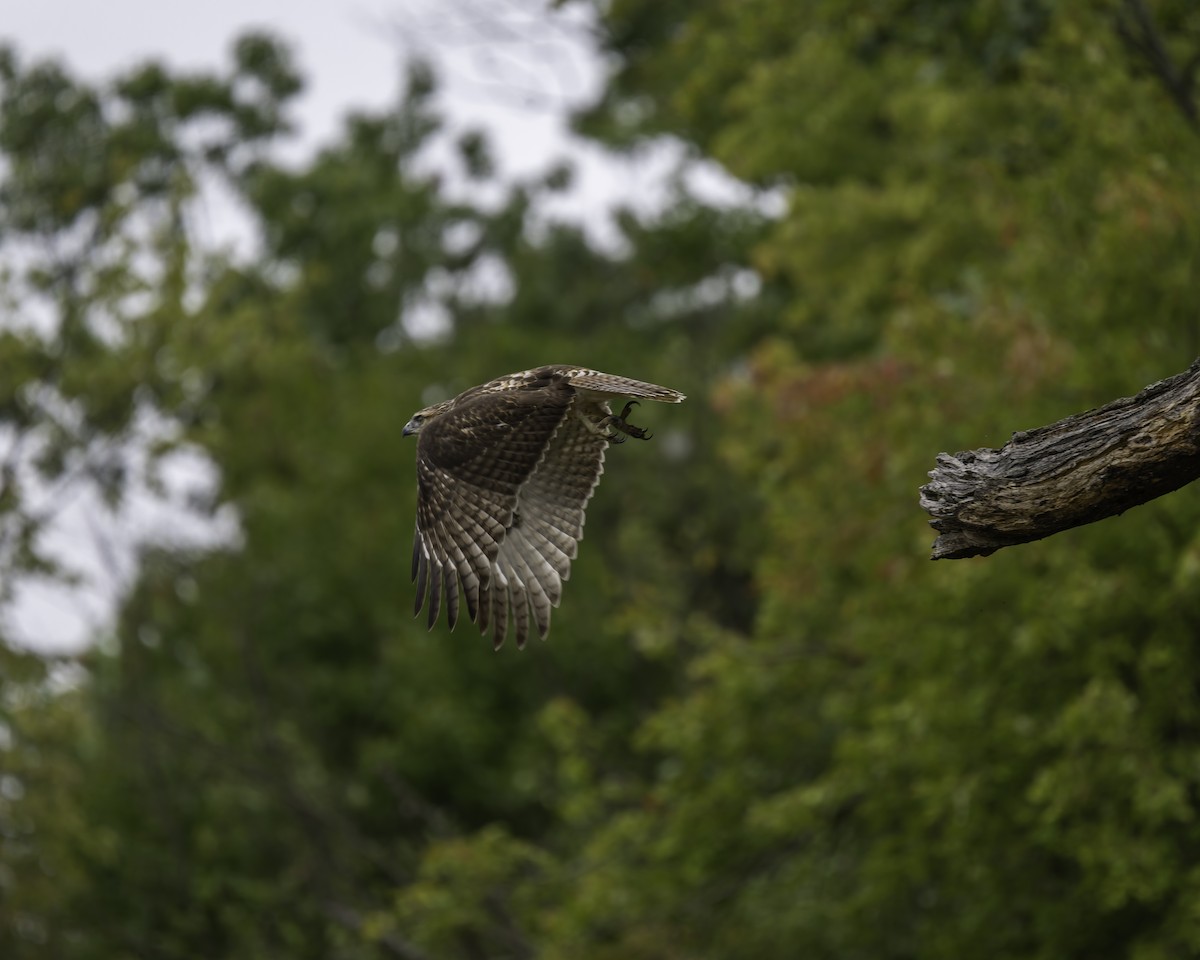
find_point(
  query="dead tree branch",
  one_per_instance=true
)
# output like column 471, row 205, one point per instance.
column 1087, row 467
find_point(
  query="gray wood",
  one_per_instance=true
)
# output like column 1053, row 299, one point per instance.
column 1081, row 469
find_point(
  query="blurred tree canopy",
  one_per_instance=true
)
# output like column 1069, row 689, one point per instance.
column 764, row 725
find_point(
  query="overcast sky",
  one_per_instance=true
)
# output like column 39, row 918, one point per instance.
column 505, row 64
column 351, row 51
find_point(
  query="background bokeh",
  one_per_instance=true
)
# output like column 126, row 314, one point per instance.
column 764, row 724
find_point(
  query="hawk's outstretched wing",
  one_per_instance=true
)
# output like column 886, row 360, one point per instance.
column 505, row 471
column 535, row 557
column 471, row 464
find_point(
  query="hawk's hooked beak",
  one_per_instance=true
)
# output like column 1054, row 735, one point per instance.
column 409, row 429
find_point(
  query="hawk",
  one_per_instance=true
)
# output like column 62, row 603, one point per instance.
column 504, row 474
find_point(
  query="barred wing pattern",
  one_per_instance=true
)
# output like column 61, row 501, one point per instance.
column 471, row 463
column 505, row 471
column 535, row 557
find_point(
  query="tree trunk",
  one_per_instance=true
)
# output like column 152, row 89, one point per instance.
column 1087, row 467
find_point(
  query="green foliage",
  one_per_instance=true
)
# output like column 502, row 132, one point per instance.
column 94, row 256
column 764, row 725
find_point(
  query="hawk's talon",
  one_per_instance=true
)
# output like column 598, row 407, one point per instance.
column 617, row 422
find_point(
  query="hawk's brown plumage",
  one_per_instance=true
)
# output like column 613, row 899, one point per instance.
column 504, row 474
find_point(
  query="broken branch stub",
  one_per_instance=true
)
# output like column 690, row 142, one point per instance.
column 1081, row 469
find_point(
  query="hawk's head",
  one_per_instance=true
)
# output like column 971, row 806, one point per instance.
column 422, row 417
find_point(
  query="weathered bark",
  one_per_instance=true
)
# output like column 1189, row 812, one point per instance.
column 1087, row 467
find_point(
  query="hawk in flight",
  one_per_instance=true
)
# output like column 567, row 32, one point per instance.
column 504, row 474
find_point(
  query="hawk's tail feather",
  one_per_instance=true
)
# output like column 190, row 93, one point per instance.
column 624, row 386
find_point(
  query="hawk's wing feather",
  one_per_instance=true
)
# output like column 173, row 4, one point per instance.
column 440, row 556
column 471, row 463
column 460, row 537
column 518, row 598
column 549, row 519
column 499, row 607
column 599, row 382
column 505, row 473
column 523, row 560
column 420, row 571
